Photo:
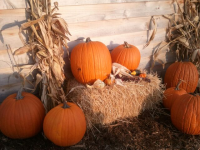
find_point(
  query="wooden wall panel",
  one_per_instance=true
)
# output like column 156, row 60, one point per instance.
column 87, row 13
column 109, row 21
column 7, row 4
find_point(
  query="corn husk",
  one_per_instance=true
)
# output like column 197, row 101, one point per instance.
column 183, row 33
column 48, row 34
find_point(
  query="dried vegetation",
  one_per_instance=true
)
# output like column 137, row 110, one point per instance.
column 183, row 33
column 48, row 34
column 116, row 102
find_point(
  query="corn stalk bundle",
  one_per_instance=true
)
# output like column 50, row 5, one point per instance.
column 47, row 37
column 183, row 33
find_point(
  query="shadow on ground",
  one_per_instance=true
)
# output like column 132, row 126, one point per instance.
column 151, row 130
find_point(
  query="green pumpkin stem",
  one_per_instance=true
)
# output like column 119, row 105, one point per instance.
column 177, row 87
column 88, row 40
column 126, row 44
column 19, row 94
column 65, row 105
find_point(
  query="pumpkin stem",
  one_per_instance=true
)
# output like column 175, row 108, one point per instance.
column 19, row 94
column 177, row 87
column 126, row 44
column 88, row 40
column 65, row 105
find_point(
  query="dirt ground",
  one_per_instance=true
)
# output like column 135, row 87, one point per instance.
column 151, row 130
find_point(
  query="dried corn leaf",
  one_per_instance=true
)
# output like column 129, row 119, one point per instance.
column 176, row 27
column 24, row 49
column 184, row 42
column 30, row 23
column 153, row 33
column 196, row 19
column 161, row 62
column 194, row 54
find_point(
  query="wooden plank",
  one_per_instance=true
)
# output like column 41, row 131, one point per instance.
column 7, row 4
column 135, row 38
column 9, row 89
column 7, row 60
column 166, row 57
column 92, row 29
column 87, row 13
column 10, row 75
column 114, row 27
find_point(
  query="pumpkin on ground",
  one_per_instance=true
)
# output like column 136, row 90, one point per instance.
column 65, row 125
column 21, row 115
column 126, row 55
column 171, row 94
column 90, row 61
column 185, row 71
column 185, row 114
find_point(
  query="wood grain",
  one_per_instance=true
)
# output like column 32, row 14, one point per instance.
column 7, row 4
column 88, row 13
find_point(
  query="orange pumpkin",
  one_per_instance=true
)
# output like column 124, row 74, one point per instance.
column 65, row 125
column 185, row 71
column 126, row 55
column 171, row 94
column 21, row 115
column 185, row 114
column 90, row 61
column 142, row 75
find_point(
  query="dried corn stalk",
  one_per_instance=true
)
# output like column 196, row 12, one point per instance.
column 153, row 33
column 183, row 34
column 48, row 36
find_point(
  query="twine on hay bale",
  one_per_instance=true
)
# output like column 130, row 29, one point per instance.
column 104, row 106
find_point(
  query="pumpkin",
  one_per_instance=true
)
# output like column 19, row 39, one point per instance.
column 126, row 55
column 142, row 75
column 185, row 114
column 65, row 124
column 90, row 61
column 21, row 115
column 171, row 94
column 185, row 71
column 108, row 81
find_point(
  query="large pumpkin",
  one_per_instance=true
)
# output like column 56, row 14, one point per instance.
column 185, row 71
column 21, row 115
column 185, row 114
column 90, row 61
column 65, row 125
column 126, row 55
column 171, row 94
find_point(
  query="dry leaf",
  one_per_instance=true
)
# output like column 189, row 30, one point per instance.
column 194, row 54
column 153, row 33
column 25, row 49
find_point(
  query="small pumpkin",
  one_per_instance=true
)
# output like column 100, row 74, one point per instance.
column 126, row 55
column 142, row 75
column 171, row 94
column 21, row 115
column 136, row 72
column 108, row 81
column 65, row 124
column 185, row 71
column 185, row 114
column 90, row 61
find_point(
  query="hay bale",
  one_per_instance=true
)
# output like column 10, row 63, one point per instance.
column 112, row 103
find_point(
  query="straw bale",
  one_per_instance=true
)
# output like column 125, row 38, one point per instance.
column 115, row 102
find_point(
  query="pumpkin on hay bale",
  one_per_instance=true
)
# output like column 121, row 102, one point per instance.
column 105, row 105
